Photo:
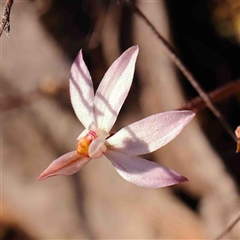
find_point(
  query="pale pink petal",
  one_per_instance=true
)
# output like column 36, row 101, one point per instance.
column 81, row 91
column 237, row 132
column 114, row 88
column 150, row 133
column 143, row 172
column 67, row 164
column 96, row 148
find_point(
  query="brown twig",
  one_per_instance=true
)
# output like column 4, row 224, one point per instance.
column 228, row 228
column 5, row 22
column 197, row 104
column 176, row 59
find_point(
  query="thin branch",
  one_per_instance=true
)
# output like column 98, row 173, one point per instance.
column 176, row 59
column 228, row 228
column 197, row 104
column 5, row 23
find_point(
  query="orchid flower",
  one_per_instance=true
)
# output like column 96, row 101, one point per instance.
column 98, row 114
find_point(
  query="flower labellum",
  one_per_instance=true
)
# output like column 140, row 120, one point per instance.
column 98, row 114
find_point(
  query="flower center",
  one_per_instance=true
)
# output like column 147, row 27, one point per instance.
column 84, row 142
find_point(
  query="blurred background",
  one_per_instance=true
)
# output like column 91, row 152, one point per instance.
column 39, row 124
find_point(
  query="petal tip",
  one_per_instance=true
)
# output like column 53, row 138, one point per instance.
column 44, row 175
column 77, row 60
column 80, row 51
column 178, row 178
column 183, row 179
column 134, row 49
column 80, row 55
column 192, row 114
column 41, row 177
column 174, row 180
column 189, row 115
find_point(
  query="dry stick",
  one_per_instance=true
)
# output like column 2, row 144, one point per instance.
column 171, row 51
column 228, row 229
column 197, row 104
column 5, row 23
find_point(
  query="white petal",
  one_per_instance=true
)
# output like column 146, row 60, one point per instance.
column 150, row 133
column 81, row 91
column 143, row 172
column 237, row 132
column 67, row 164
column 114, row 88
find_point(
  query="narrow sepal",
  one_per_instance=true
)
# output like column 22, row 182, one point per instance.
column 67, row 164
column 142, row 172
column 81, row 91
column 114, row 88
column 150, row 133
